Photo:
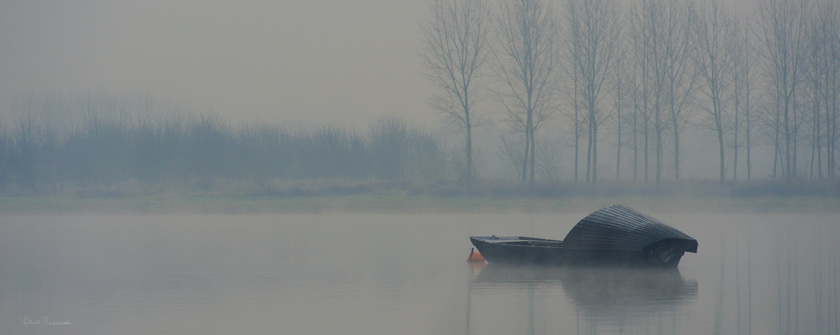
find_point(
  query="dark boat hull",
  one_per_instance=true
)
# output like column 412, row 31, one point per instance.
column 516, row 250
column 614, row 235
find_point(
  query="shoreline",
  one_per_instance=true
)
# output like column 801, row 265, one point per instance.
column 402, row 203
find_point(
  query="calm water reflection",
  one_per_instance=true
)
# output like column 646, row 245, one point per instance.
column 403, row 274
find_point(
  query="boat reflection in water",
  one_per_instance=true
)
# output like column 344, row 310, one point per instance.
column 600, row 297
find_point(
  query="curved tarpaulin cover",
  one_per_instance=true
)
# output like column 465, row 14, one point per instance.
column 622, row 228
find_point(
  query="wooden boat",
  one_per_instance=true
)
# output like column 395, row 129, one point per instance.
column 615, row 235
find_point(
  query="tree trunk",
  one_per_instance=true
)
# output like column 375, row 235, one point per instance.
column 735, row 138
column 576, row 125
column 795, row 137
column 594, row 152
column 533, row 155
column 589, row 152
column 748, row 134
column 644, row 120
column 635, row 143
column 618, row 119
column 527, row 152
column 722, row 166
column 719, row 124
column 788, row 163
column 658, row 129
column 469, row 152
column 776, row 139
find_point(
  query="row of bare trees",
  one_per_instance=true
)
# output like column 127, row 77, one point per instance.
column 643, row 71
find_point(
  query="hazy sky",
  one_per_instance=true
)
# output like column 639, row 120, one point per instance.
column 339, row 61
column 303, row 61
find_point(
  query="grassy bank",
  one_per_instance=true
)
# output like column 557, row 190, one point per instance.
column 404, row 203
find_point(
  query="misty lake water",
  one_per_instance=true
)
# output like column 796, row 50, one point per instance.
column 367, row 273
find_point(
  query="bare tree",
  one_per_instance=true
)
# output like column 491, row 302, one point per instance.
column 738, row 59
column 640, row 40
column 649, row 75
column 658, row 58
column 457, row 43
column 620, row 74
column 831, row 88
column 680, row 73
column 576, row 119
column 814, row 82
column 527, row 58
column 783, row 26
column 634, row 119
column 714, row 57
column 823, row 37
column 744, row 79
column 593, row 30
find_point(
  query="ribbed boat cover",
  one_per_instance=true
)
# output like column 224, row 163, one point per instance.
column 621, row 228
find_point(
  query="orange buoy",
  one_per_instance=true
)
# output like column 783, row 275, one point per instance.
column 475, row 257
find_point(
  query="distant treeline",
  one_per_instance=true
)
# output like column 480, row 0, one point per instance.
column 106, row 145
column 93, row 141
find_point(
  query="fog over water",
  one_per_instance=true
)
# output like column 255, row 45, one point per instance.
column 218, row 167
column 404, row 273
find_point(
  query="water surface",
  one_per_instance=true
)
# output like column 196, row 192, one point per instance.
column 362, row 273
